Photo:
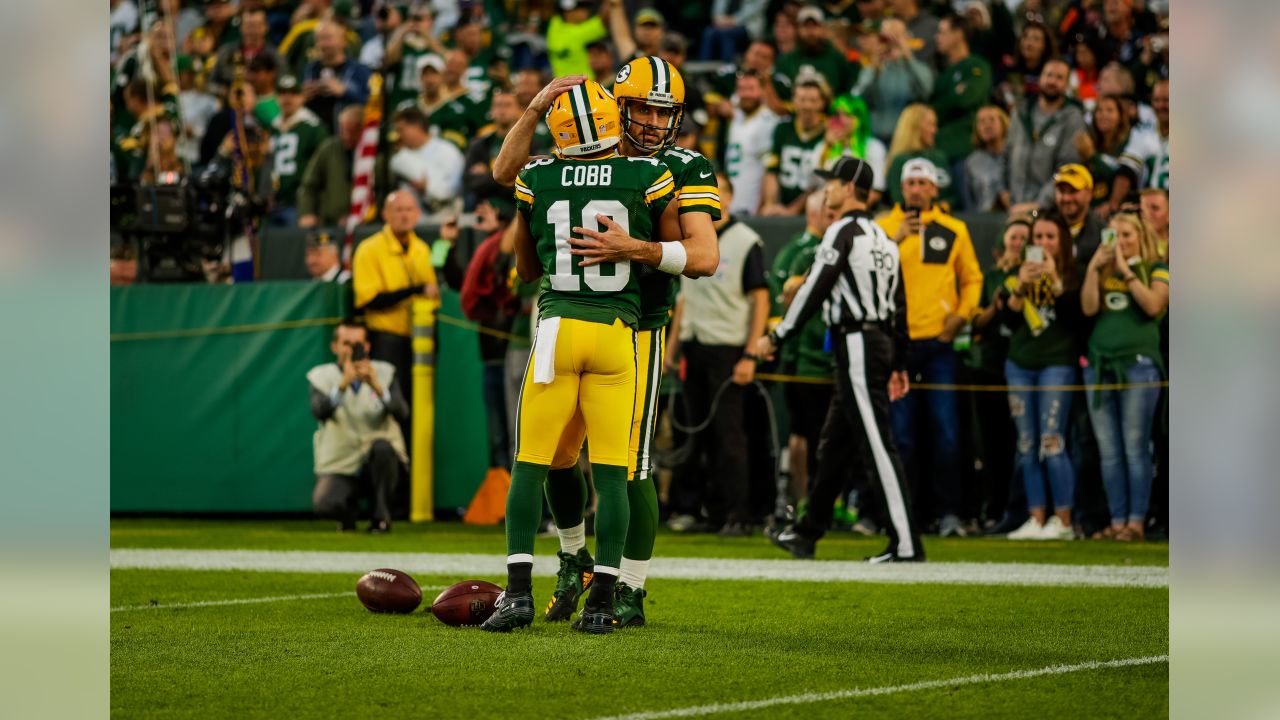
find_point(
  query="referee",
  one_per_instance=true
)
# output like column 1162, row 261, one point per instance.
column 857, row 275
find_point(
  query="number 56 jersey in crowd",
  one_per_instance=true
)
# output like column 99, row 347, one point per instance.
column 556, row 195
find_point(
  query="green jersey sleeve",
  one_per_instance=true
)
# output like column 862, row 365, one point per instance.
column 696, row 187
column 524, row 187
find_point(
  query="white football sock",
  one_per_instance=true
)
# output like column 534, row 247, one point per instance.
column 634, row 572
column 573, row 539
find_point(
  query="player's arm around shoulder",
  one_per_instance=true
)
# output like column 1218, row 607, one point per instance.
column 698, row 204
column 528, row 267
column 515, row 147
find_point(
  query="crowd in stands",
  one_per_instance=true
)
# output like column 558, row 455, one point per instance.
column 1052, row 113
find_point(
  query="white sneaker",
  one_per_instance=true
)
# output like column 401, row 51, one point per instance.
column 1054, row 529
column 681, row 523
column 1030, row 530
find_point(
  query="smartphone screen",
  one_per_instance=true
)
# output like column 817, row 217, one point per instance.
column 1035, row 253
column 1108, row 236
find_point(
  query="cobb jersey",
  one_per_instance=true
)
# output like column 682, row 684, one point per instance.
column 696, row 191
column 792, row 158
column 556, row 195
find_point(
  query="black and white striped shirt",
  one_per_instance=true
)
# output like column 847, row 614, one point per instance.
column 856, row 279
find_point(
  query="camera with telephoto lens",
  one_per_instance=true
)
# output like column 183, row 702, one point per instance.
column 178, row 227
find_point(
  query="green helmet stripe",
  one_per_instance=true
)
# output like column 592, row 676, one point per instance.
column 582, row 114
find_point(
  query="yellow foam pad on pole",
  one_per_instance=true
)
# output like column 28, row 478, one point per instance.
column 422, row 469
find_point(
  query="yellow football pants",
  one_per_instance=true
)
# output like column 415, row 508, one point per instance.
column 594, row 385
column 650, row 346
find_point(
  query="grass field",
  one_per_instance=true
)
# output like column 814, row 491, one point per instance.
column 250, row 643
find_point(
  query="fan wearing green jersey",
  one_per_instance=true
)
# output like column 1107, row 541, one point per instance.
column 295, row 136
column 650, row 95
column 796, row 142
column 584, row 352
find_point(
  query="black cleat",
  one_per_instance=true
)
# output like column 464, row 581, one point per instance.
column 572, row 581
column 597, row 620
column 512, row 610
column 794, row 542
column 380, row 527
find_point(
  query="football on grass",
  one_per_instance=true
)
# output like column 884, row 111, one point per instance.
column 388, row 591
column 469, row 602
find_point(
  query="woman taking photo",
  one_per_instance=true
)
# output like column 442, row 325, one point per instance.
column 1043, row 357
column 1127, row 287
column 1003, row 499
column 892, row 77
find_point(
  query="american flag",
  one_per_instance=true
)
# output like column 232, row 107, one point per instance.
column 366, row 153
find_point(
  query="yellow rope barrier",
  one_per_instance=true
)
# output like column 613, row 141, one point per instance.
column 230, row 330
column 476, row 327
column 772, row 377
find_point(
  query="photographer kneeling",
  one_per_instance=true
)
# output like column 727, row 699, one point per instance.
column 360, row 408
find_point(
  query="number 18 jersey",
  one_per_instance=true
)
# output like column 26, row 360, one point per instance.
column 556, row 195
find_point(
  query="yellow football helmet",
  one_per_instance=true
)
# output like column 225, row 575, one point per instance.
column 584, row 121
column 656, row 82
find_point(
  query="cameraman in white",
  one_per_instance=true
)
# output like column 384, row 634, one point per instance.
column 360, row 408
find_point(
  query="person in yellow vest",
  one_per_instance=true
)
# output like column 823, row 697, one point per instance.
column 943, row 284
column 388, row 271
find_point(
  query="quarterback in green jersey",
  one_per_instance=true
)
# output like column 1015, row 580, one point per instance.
column 650, row 96
column 583, row 362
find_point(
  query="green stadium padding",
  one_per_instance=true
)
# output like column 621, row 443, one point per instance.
column 209, row 404
column 209, row 401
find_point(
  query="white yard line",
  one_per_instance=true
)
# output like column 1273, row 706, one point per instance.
column 477, row 565
column 246, row 601
column 804, row 698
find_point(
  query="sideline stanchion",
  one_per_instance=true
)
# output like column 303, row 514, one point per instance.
column 422, row 470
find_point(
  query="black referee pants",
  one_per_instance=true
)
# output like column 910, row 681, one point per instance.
column 858, row 430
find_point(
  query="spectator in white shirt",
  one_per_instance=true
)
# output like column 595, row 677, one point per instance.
column 750, row 138
column 428, row 166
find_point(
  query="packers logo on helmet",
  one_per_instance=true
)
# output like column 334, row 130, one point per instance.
column 654, row 82
column 584, row 121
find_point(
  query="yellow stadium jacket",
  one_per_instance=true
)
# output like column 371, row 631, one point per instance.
column 381, row 264
column 941, row 276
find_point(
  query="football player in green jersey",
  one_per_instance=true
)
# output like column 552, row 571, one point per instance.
column 650, row 96
column 584, row 352
column 790, row 165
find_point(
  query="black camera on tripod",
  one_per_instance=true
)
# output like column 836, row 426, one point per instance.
column 179, row 227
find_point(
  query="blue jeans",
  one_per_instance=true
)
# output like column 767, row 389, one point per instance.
column 1122, row 423
column 1041, row 420
column 934, row 362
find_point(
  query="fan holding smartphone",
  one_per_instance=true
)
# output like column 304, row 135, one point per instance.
column 1127, row 289
column 1044, row 358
